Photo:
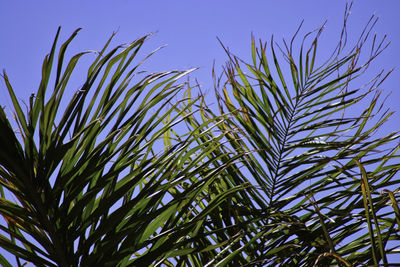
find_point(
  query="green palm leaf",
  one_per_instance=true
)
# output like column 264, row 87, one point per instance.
column 305, row 134
column 133, row 170
column 93, row 182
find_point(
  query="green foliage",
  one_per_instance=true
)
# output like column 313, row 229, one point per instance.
column 308, row 132
column 135, row 171
column 90, row 182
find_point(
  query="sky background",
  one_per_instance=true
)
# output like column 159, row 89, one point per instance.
column 188, row 28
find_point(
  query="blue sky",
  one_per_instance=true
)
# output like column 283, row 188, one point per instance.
column 188, row 28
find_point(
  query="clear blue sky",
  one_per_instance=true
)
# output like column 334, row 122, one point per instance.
column 189, row 28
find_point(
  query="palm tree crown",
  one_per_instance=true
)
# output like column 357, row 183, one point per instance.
column 134, row 170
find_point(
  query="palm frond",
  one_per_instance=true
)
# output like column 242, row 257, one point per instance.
column 306, row 126
column 93, row 182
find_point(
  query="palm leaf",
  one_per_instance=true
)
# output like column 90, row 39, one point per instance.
column 92, row 181
column 301, row 136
